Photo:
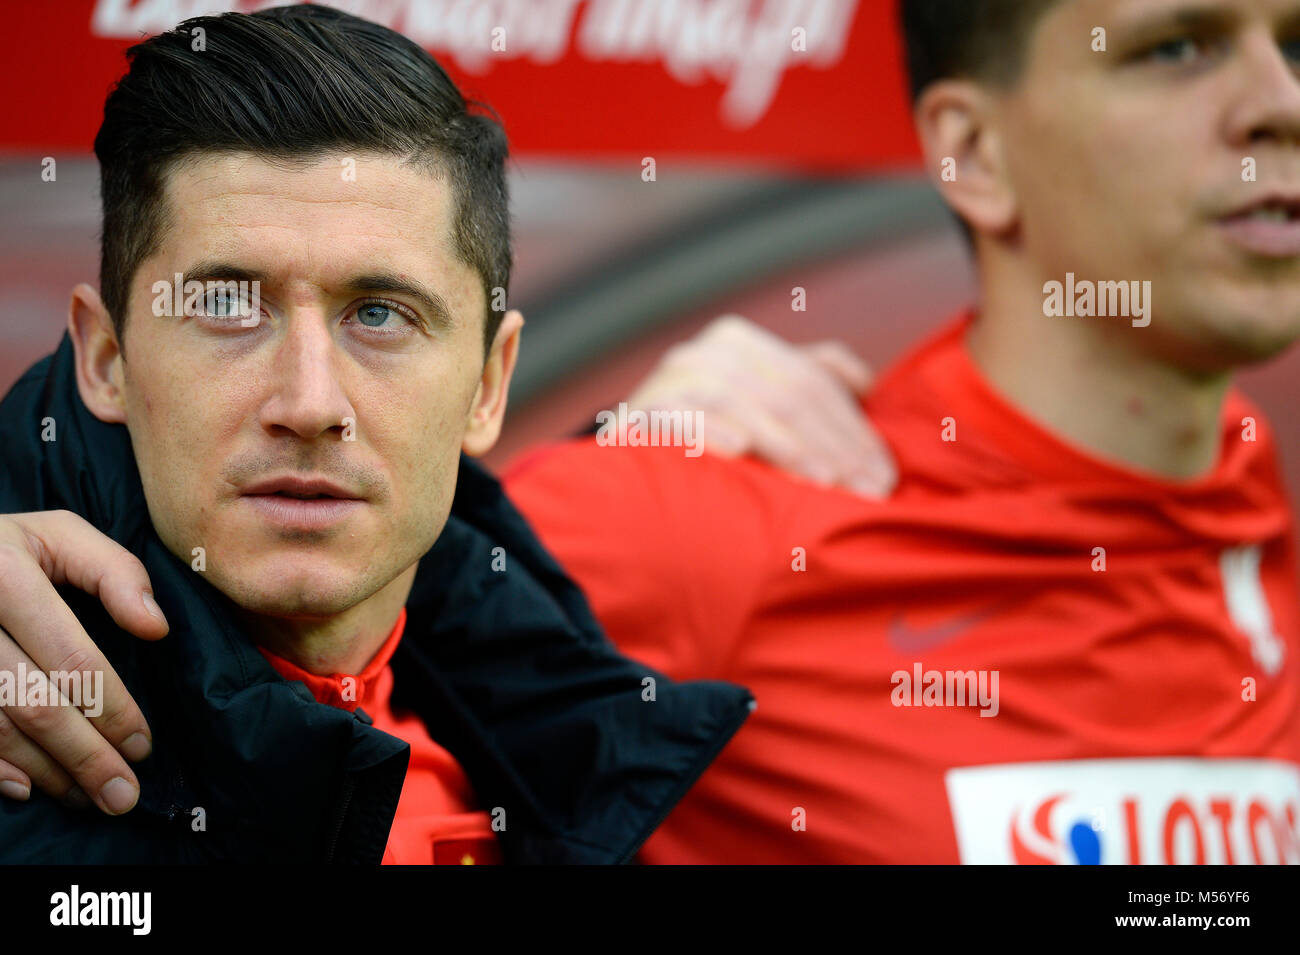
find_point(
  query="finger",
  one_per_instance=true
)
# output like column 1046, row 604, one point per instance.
column 737, row 419
column 40, row 631
column 761, row 394
column 878, row 474
column 773, row 441
column 71, row 550
column 676, row 390
column 68, row 739
column 800, row 441
column 840, row 361
column 743, row 386
column 806, row 401
column 807, row 398
column 866, row 464
column 34, row 765
column 722, row 436
column 731, row 328
column 14, row 783
column 862, row 460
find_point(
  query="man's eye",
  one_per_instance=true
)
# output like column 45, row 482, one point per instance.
column 1187, row 50
column 386, row 317
column 1184, row 50
column 220, row 303
column 375, row 314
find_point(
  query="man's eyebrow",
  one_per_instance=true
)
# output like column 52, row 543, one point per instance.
column 1197, row 17
column 1290, row 22
column 213, row 271
column 1201, row 19
column 369, row 283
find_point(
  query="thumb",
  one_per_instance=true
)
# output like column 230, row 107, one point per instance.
column 838, row 359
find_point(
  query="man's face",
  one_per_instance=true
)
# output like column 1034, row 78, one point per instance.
column 1128, row 165
column 340, row 380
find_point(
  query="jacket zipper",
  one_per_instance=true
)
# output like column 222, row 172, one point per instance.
column 176, row 809
column 348, row 786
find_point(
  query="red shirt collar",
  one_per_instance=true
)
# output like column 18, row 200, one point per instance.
column 343, row 690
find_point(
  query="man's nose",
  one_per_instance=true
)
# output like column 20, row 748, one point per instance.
column 307, row 397
column 1268, row 107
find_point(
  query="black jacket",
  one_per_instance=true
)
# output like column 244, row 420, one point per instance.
column 509, row 671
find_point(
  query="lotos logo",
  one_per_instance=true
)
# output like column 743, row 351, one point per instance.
column 1128, row 812
column 1032, row 841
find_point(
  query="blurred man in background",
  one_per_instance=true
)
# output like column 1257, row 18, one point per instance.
column 1071, row 634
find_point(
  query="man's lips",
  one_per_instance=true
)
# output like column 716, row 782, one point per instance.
column 291, row 485
column 298, row 514
column 1269, row 226
column 301, row 503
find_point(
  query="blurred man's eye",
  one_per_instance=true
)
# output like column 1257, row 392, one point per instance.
column 1291, row 49
column 1182, row 50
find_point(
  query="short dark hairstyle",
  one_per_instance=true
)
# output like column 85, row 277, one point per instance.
column 984, row 40
column 291, row 83
column 968, row 39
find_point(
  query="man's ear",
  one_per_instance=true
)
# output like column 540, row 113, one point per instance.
column 965, row 154
column 489, row 408
column 98, row 356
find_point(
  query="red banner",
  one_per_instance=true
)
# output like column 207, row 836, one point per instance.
column 804, row 84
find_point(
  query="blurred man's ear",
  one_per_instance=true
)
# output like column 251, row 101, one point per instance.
column 965, row 153
column 489, row 408
column 98, row 357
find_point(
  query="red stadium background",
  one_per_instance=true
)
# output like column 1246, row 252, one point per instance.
column 808, row 84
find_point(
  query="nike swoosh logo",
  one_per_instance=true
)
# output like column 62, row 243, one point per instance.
column 909, row 640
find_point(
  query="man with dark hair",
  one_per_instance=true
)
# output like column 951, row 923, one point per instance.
column 305, row 254
column 1072, row 634
column 986, row 41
